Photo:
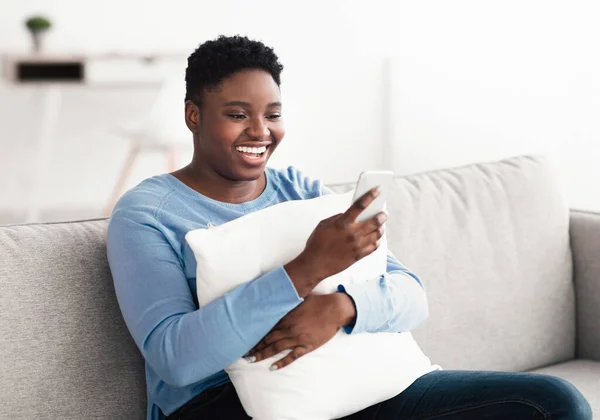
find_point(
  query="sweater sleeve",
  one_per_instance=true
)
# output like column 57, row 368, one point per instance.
column 393, row 302
column 181, row 343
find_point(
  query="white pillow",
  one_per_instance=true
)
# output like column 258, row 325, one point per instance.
column 348, row 373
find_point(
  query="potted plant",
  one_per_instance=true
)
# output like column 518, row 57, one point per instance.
column 37, row 26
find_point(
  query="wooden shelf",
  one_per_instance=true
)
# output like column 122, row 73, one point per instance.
column 118, row 69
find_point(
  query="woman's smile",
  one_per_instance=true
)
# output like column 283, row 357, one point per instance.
column 253, row 155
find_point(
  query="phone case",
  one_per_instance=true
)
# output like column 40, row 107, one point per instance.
column 367, row 181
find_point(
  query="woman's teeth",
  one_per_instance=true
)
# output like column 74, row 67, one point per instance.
column 253, row 150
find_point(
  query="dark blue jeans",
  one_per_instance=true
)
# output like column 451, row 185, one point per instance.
column 446, row 394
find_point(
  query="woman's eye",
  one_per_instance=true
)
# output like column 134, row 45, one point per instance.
column 237, row 116
column 274, row 117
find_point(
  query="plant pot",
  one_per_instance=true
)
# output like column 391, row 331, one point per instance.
column 37, row 38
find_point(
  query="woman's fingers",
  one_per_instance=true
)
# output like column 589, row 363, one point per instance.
column 371, row 238
column 296, row 352
column 369, row 233
column 371, row 225
column 272, row 337
column 360, row 205
column 274, row 348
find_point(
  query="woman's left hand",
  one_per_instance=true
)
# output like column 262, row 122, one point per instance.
column 306, row 328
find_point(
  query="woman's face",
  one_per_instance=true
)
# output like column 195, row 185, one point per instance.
column 238, row 125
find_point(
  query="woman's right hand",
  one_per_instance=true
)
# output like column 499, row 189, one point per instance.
column 336, row 243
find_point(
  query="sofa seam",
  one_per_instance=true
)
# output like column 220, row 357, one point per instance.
column 62, row 222
column 583, row 211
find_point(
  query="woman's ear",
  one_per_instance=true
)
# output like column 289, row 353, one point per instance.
column 192, row 116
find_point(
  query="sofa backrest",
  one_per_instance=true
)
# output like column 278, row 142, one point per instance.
column 491, row 245
column 65, row 352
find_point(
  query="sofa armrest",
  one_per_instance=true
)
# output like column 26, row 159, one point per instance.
column 585, row 245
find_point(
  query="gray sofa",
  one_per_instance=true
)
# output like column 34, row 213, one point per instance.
column 512, row 276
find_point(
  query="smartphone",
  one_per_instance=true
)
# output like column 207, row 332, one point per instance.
column 368, row 180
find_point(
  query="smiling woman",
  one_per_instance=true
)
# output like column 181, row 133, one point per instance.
column 236, row 124
column 234, row 113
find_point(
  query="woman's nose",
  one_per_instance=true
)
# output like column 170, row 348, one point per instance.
column 258, row 129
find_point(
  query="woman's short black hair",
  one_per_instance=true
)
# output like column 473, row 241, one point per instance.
column 217, row 59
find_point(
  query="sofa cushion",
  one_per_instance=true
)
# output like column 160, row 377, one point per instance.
column 584, row 374
column 491, row 245
column 65, row 352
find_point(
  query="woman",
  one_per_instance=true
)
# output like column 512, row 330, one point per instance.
column 233, row 109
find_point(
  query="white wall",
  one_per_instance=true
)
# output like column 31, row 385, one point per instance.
column 332, row 96
column 471, row 81
column 482, row 80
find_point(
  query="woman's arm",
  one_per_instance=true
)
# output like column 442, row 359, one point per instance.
column 394, row 302
column 182, row 344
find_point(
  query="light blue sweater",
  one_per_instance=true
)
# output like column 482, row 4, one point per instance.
column 154, row 272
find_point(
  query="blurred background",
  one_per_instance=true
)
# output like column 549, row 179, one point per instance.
column 93, row 104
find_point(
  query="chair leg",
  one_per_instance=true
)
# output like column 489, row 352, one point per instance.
column 122, row 180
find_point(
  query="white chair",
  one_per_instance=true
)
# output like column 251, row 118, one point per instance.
column 162, row 129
